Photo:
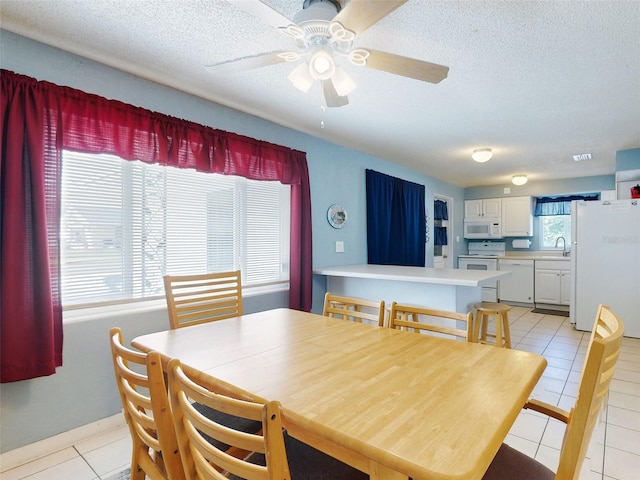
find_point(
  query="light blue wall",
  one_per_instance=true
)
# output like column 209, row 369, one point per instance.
column 83, row 390
column 628, row 159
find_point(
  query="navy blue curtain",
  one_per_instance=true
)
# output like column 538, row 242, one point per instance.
column 396, row 221
column 439, row 235
column 546, row 206
column 440, row 210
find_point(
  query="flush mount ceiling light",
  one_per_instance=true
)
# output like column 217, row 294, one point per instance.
column 581, row 156
column 482, row 155
column 519, row 179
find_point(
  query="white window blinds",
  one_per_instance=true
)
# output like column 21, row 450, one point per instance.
column 124, row 225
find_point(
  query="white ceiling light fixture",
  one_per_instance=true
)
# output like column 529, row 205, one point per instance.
column 519, row 179
column 301, row 78
column 343, row 83
column 482, row 155
column 323, row 33
column 321, row 64
column 581, row 156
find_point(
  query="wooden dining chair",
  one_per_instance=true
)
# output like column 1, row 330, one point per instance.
column 194, row 299
column 271, row 454
column 600, row 361
column 354, row 309
column 146, row 410
column 421, row 319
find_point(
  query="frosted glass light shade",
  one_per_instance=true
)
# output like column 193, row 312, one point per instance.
column 342, row 82
column 519, row 179
column 301, row 78
column 482, row 155
column 321, row 65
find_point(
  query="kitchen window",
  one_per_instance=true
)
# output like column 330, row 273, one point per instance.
column 555, row 218
column 124, row 225
column 552, row 227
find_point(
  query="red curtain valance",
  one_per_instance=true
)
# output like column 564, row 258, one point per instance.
column 40, row 119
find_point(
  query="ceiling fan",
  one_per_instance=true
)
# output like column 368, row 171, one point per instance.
column 323, row 32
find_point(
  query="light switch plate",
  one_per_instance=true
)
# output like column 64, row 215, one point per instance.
column 339, row 246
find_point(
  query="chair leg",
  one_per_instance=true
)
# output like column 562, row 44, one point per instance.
column 505, row 327
column 498, row 321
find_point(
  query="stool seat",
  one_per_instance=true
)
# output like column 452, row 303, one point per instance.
column 499, row 311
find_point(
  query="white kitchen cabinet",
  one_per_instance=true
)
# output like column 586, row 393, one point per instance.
column 553, row 282
column 517, row 217
column 482, row 208
column 519, row 286
column 565, row 287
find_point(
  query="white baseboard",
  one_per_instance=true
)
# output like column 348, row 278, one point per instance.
column 47, row 446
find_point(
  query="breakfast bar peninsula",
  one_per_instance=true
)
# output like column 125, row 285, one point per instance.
column 439, row 288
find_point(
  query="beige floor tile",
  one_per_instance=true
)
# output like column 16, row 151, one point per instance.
column 113, row 456
column 41, row 464
column 621, row 465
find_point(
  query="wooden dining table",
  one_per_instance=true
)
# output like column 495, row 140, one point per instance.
column 394, row 404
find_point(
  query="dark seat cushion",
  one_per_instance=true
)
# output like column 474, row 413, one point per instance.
column 307, row 463
column 510, row 464
column 231, row 421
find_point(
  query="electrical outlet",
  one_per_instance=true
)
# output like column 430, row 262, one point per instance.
column 340, row 246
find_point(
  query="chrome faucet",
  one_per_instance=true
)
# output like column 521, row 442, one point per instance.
column 564, row 245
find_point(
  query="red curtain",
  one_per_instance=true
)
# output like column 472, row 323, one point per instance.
column 38, row 121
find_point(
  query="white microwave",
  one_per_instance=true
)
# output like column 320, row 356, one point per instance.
column 483, row 229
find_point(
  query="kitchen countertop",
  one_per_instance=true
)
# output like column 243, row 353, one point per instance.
column 440, row 276
column 533, row 256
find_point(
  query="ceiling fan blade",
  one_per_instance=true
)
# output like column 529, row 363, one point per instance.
column 262, row 11
column 331, row 97
column 359, row 15
column 247, row 63
column 406, row 67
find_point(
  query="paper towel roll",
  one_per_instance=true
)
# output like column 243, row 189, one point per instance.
column 520, row 243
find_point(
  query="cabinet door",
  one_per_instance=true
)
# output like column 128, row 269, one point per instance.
column 547, row 286
column 491, row 207
column 472, row 209
column 517, row 217
column 565, row 288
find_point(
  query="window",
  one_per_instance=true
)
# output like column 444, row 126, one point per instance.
column 555, row 218
column 552, row 227
column 125, row 224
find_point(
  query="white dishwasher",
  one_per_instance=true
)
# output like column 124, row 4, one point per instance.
column 519, row 286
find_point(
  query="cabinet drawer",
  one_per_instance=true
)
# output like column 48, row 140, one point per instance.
column 553, row 264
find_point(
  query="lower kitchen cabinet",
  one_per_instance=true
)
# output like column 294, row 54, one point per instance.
column 553, row 282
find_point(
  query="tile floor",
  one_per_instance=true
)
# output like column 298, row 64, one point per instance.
column 614, row 453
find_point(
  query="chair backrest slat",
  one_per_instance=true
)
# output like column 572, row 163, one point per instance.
column 354, row 309
column 194, row 299
column 421, row 319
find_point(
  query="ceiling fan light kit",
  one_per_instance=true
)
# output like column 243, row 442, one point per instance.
column 519, row 180
column 301, row 78
column 321, row 64
column 482, row 155
column 323, row 31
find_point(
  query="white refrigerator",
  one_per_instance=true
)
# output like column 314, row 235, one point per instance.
column 605, row 262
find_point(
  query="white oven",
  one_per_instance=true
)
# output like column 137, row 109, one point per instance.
column 484, row 256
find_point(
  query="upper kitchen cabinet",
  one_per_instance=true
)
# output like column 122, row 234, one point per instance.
column 517, row 217
column 482, row 208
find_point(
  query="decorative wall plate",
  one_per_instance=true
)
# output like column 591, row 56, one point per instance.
column 337, row 216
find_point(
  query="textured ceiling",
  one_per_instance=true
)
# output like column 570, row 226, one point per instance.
column 537, row 81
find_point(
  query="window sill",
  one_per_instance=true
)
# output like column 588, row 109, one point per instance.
column 94, row 312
